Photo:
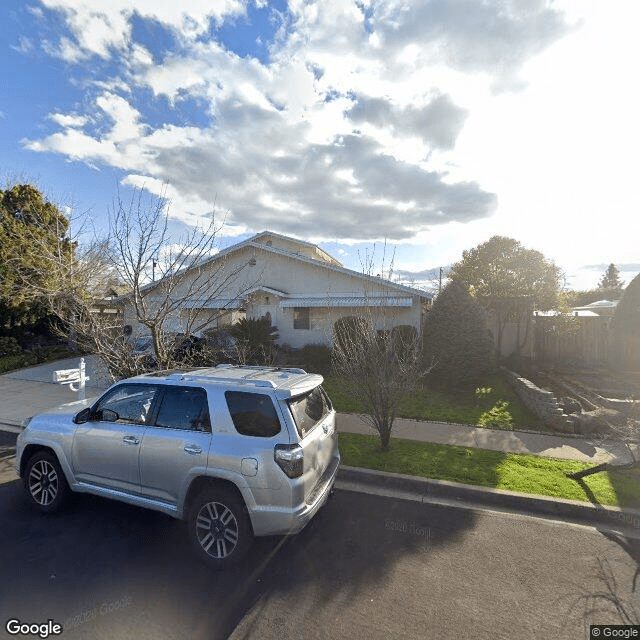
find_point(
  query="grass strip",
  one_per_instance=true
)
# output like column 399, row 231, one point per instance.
column 495, row 469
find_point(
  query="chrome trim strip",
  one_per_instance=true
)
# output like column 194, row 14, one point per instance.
column 130, row 498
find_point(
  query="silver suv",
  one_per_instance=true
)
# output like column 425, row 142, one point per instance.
column 235, row 451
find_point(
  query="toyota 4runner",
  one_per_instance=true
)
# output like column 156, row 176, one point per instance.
column 235, row 451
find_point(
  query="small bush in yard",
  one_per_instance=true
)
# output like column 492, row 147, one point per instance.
column 316, row 358
column 9, row 347
column 497, row 417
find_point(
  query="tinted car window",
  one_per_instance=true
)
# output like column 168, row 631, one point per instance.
column 184, row 408
column 253, row 414
column 130, row 401
column 309, row 409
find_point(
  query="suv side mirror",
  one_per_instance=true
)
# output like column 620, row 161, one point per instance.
column 83, row 416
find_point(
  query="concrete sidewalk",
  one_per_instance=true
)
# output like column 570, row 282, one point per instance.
column 526, row 442
column 29, row 391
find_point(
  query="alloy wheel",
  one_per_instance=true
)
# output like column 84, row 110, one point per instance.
column 217, row 530
column 43, row 482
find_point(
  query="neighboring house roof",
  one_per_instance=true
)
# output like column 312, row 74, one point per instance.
column 600, row 304
column 600, row 308
column 303, row 247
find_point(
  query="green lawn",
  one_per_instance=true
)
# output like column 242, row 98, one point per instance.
column 522, row 473
column 494, row 405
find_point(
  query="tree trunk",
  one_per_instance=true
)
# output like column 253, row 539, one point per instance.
column 384, row 430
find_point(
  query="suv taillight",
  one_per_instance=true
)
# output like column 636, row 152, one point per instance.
column 290, row 458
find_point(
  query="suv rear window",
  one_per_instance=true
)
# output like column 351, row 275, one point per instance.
column 253, row 414
column 309, row 409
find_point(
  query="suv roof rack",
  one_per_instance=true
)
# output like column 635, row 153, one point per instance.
column 244, row 374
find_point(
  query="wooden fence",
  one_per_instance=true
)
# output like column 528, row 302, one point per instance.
column 590, row 341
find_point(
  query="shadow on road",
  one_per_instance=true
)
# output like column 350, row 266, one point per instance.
column 104, row 569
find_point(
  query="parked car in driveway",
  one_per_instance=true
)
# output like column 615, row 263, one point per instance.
column 235, row 451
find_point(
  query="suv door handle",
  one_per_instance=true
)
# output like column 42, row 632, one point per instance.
column 130, row 440
column 193, row 449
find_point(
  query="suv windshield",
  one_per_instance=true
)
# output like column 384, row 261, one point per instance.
column 309, row 409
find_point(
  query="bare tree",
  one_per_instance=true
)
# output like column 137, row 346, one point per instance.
column 377, row 367
column 174, row 287
column 167, row 284
column 378, row 362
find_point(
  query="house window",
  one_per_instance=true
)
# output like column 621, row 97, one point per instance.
column 301, row 318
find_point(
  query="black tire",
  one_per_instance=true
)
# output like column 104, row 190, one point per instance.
column 219, row 527
column 45, row 483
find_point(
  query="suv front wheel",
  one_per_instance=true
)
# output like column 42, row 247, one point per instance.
column 45, row 482
column 219, row 527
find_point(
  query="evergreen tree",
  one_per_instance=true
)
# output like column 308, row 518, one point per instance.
column 625, row 327
column 611, row 279
column 456, row 338
column 35, row 253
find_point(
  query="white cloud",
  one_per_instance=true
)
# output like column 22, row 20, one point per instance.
column 69, row 120
column 101, row 27
column 25, row 45
column 351, row 130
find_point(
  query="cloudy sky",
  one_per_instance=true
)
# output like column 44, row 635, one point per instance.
column 430, row 124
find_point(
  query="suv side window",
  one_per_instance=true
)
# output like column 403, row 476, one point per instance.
column 131, row 403
column 253, row 414
column 184, row 408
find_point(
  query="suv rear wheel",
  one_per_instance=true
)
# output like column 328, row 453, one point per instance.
column 219, row 527
column 45, row 482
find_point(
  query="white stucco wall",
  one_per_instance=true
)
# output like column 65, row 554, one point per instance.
column 258, row 267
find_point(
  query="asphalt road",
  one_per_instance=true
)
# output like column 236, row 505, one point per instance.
column 367, row 567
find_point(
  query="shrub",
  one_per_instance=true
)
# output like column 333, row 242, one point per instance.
column 255, row 340
column 498, row 416
column 316, row 358
column 347, row 330
column 9, row 347
column 26, row 359
column 625, row 327
column 456, row 338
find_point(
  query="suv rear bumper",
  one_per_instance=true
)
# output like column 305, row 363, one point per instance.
column 272, row 522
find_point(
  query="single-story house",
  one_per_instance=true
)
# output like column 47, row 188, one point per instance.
column 297, row 285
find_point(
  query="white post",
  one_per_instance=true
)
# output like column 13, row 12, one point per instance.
column 81, row 381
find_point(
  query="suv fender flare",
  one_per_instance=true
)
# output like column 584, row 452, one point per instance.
column 225, row 477
column 53, row 447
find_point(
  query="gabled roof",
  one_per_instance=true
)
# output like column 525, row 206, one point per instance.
column 388, row 284
column 258, row 243
column 305, row 248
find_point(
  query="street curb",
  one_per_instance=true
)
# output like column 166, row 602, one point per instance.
column 546, row 506
column 10, row 427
